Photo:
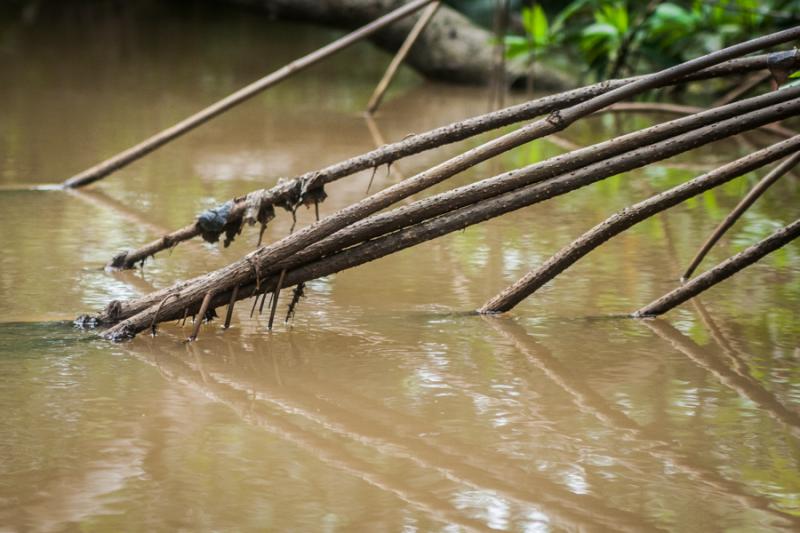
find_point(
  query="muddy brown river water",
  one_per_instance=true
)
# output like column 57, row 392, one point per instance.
column 382, row 406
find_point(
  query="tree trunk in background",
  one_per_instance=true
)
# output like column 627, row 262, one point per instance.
column 452, row 48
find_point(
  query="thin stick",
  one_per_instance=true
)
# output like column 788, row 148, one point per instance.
column 676, row 109
column 721, row 272
column 628, row 217
column 229, row 314
column 413, row 35
column 276, row 293
column 132, row 154
column 264, row 299
column 155, row 317
column 202, row 314
column 759, row 189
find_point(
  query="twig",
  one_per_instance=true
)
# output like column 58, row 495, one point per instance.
column 122, row 159
column 202, row 314
column 275, row 295
column 416, row 31
column 229, row 313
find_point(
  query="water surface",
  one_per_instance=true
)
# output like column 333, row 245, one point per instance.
column 381, row 406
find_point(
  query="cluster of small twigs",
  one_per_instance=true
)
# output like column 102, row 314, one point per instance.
column 363, row 231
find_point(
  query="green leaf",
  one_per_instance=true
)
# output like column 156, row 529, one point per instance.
column 541, row 30
column 615, row 16
column 517, row 46
column 566, row 13
column 535, row 23
column 673, row 13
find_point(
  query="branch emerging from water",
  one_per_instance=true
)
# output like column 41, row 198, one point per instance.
column 754, row 194
column 721, row 272
column 627, row 218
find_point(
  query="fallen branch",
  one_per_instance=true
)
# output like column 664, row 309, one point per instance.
column 290, row 192
column 628, row 217
column 463, row 196
column 721, row 272
column 140, row 311
column 750, row 198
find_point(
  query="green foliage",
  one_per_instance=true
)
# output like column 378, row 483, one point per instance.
column 619, row 37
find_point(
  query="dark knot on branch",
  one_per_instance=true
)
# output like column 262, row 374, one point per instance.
column 556, row 119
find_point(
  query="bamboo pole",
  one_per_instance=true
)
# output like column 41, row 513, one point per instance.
column 126, row 157
column 721, row 272
column 628, row 217
column 745, row 203
column 397, row 60
column 451, row 133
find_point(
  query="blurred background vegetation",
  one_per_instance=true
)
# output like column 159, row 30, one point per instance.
column 613, row 38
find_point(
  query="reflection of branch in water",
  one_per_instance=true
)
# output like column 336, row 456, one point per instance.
column 593, row 403
column 317, row 395
column 98, row 198
column 743, row 386
column 716, row 332
column 739, row 365
column 561, row 505
column 319, row 447
column 134, row 279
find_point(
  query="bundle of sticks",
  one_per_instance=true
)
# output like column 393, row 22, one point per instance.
column 366, row 230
